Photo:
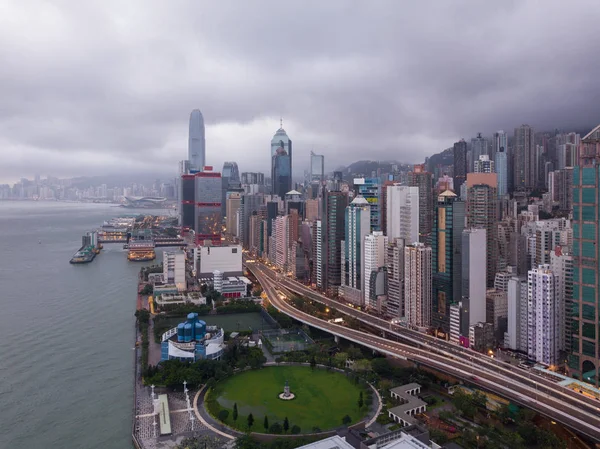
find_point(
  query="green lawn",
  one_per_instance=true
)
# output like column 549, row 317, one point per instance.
column 323, row 398
column 238, row 321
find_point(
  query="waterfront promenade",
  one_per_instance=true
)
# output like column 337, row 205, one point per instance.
column 146, row 429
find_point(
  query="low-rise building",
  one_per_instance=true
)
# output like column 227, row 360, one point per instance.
column 169, row 299
column 231, row 286
column 226, row 259
column 481, row 336
column 410, row 406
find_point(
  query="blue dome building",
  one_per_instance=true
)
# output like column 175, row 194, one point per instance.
column 192, row 340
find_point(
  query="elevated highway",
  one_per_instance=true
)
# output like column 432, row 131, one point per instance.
column 557, row 402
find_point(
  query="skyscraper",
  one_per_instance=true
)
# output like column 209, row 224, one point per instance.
column 370, row 189
column 207, row 225
column 402, row 213
column 357, row 227
column 375, row 245
column 484, row 165
column 281, row 163
column 499, row 144
column 417, row 284
column 317, row 168
column 524, row 161
column 196, row 142
column 517, row 296
column 229, row 176
column 544, row 316
column 233, row 203
column 188, row 201
column 395, row 268
column 446, row 258
column 585, row 313
column 422, row 179
column 482, row 213
column 501, row 166
column 473, row 278
column 331, row 231
column 249, row 205
column 479, row 147
column 460, row 165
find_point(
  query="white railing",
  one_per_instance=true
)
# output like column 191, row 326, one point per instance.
column 169, row 334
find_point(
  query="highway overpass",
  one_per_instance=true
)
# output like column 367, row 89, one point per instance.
column 557, row 402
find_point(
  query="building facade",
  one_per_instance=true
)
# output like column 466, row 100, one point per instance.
column 196, row 142
column 524, row 160
column 395, row 269
column 460, row 164
column 174, row 269
column 446, row 245
column 585, row 315
column 207, row 225
column 482, row 213
column 357, row 227
column 402, row 212
column 422, row 179
column 281, row 163
column 544, row 316
column 374, row 258
column 474, row 275
column 417, row 284
column 370, row 189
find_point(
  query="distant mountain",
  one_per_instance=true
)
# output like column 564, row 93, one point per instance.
column 366, row 168
column 446, row 157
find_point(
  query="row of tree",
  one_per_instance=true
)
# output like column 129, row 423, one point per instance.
column 275, row 428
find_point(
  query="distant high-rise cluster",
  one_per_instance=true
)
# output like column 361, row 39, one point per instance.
column 494, row 246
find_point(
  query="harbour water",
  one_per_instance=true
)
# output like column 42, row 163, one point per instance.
column 66, row 331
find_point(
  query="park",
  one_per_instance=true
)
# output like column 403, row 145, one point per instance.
column 323, row 400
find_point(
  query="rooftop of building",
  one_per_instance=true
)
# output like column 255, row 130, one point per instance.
column 592, row 136
column 448, row 193
column 360, row 200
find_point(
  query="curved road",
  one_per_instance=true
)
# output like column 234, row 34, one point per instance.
column 554, row 401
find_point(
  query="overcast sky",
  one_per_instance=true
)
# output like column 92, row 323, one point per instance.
column 96, row 87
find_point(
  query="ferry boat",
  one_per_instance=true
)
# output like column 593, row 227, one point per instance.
column 85, row 255
column 141, row 250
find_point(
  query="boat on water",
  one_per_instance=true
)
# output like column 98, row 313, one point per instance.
column 89, row 248
column 85, row 255
column 141, row 250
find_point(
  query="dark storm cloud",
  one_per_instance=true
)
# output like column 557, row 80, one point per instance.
column 97, row 86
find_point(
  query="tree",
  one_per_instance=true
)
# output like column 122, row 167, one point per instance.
column 246, row 442
column 223, row 414
column 354, row 353
column 276, row 428
column 346, row 420
column 296, row 429
column 235, row 412
column 266, row 424
column 286, row 424
column 250, row 421
column 438, row 436
column 313, row 362
column 382, row 367
column 360, row 400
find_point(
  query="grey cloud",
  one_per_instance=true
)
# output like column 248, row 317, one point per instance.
column 114, row 82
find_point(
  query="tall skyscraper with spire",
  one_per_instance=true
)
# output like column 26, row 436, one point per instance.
column 196, row 142
column 281, row 162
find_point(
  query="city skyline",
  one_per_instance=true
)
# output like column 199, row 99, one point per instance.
column 117, row 99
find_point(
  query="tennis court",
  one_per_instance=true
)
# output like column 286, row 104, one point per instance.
column 284, row 340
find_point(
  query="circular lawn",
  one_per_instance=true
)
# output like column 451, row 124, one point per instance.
column 323, row 399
